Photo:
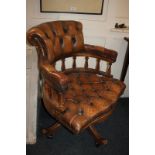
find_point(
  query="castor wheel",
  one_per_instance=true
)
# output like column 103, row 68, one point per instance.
column 50, row 131
column 100, row 142
column 50, row 136
column 45, row 133
column 105, row 142
column 97, row 144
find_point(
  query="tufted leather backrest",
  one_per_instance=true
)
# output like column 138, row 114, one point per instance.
column 59, row 38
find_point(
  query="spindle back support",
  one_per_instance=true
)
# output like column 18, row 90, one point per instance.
column 85, row 68
column 59, row 40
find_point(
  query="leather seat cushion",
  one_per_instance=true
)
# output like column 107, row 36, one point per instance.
column 88, row 96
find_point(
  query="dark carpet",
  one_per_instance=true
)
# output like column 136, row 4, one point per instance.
column 115, row 129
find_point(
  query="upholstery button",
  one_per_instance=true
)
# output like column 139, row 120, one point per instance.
column 73, row 40
column 54, row 33
column 107, row 89
column 91, row 103
column 80, row 111
column 66, row 110
column 76, row 101
column 100, row 96
column 65, row 29
column 61, row 41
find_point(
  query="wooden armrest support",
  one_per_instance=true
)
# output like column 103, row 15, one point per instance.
column 58, row 80
column 106, row 54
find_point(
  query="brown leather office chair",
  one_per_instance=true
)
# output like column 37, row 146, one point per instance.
column 78, row 98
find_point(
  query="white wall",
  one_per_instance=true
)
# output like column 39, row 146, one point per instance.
column 97, row 30
column 31, row 94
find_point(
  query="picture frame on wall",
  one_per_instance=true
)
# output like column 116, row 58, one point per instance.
column 94, row 7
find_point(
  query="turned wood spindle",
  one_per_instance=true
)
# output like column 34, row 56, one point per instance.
column 86, row 62
column 74, row 62
column 108, row 70
column 54, row 64
column 97, row 65
column 63, row 65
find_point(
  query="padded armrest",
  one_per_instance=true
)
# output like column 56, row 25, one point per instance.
column 106, row 54
column 58, row 80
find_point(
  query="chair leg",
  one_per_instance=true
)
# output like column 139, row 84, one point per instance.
column 98, row 139
column 49, row 132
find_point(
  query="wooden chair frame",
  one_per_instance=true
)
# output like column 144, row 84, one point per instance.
column 58, row 80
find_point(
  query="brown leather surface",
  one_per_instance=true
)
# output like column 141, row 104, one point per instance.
column 106, row 54
column 57, row 80
column 88, row 96
column 76, row 97
column 58, row 38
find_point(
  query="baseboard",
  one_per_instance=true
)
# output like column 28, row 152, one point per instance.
column 30, row 140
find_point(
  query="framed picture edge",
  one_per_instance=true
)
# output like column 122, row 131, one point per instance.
column 72, row 12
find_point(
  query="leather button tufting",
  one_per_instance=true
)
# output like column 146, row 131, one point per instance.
column 76, row 101
column 66, row 110
column 77, row 96
column 54, row 33
column 61, row 41
column 73, row 40
column 100, row 96
column 91, row 103
column 80, row 112
column 65, row 29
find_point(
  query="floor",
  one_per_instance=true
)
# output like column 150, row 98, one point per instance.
column 115, row 129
